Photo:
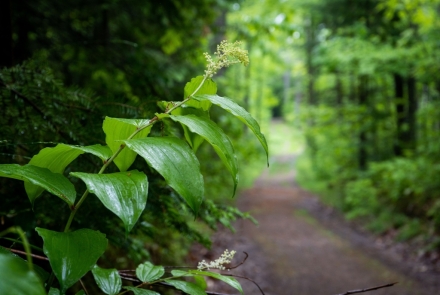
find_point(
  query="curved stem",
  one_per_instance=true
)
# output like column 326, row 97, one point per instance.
column 107, row 163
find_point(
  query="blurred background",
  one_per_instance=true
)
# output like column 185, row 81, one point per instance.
column 353, row 87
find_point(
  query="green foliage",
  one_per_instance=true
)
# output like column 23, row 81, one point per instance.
column 54, row 183
column 17, row 278
column 147, row 272
column 123, row 193
column 176, row 162
column 108, row 280
column 72, row 254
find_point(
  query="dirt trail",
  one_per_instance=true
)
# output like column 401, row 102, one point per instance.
column 298, row 249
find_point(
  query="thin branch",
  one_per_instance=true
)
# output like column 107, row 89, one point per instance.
column 244, row 260
column 368, row 289
column 246, row 278
column 84, row 287
column 33, row 255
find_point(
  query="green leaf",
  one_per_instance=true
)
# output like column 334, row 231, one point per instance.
column 176, row 162
column 148, row 272
column 209, row 87
column 139, row 291
column 187, row 287
column 180, row 273
column 80, row 292
column 54, row 291
column 123, row 193
column 72, row 254
column 54, row 183
column 57, row 158
column 201, row 282
column 42, row 274
column 227, row 279
column 216, row 137
column 108, row 280
column 17, row 279
column 116, row 130
column 241, row 114
column 101, row 151
column 192, row 138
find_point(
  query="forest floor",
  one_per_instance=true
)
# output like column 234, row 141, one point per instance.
column 302, row 247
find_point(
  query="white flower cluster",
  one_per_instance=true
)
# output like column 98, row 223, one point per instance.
column 226, row 55
column 225, row 258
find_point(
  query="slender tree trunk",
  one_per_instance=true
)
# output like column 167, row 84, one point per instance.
column 400, row 114
column 412, row 114
column 363, row 98
column 338, row 90
column 310, row 44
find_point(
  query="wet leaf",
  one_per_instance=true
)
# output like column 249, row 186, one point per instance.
column 123, row 193
column 108, row 280
column 176, row 162
column 239, row 112
column 148, row 272
column 117, row 130
column 57, row 158
column 216, row 137
column 72, row 254
column 54, row 183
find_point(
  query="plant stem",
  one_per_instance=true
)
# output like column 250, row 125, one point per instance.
column 107, row 163
column 27, row 248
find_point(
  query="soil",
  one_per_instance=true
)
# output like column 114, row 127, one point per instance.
column 302, row 247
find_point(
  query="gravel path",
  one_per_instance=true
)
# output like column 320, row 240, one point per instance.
column 300, row 247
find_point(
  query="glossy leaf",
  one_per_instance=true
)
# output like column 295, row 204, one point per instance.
column 148, row 272
column 54, row 291
column 216, row 137
column 108, row 280
column 57, row 158
column 208, row 87
column 227, row 279
column 42, row 274
column 123, row 193
column 239, row 112
column 194, row 139
column 101, row 151
column 187, row 287
column 54, row 183
column 117, row 130
column 17, row 279
column 72, row 254
column 176, row 162
column 139, row 291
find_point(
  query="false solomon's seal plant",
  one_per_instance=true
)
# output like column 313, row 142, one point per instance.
column 73, row 253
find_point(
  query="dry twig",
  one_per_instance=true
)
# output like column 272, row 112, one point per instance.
column 368, row 289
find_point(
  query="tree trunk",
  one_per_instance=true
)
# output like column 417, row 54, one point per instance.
column 411, row 114
column 310, row 44
column 400, row 113
column 362, row 150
